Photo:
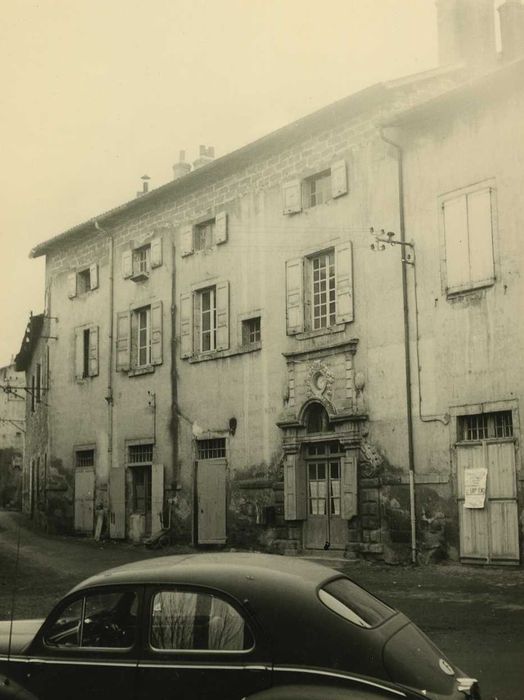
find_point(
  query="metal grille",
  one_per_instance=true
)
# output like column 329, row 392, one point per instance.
column 85, row 458
column 323, row 290
column 211, row 449
column 483, row 426
column 140, row 454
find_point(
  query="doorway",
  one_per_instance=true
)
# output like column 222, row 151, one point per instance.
column 324, row 527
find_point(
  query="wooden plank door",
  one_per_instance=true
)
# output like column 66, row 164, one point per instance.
column 84, row 499
column 157, row 497
column 117, row 501
column 211, row 501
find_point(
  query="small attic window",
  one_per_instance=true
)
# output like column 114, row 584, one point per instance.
column 317, row 189
column 84, row 281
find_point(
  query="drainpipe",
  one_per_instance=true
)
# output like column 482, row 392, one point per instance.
column 407, row 354
column 109, row 396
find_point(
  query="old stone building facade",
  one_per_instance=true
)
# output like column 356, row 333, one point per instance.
column 12, row 433
column 229, row 347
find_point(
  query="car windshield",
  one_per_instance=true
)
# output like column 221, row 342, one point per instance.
column 353, row 603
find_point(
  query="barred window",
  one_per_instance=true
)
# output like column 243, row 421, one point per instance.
column 140, row 454
column 211, row 449
column 85, row 458
column 483, row 426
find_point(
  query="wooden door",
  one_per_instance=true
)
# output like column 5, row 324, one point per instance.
column 84, row 499
column 117, row 500
column 157, row 497
column 489, row 534
column 211, row 501
column 324, row 525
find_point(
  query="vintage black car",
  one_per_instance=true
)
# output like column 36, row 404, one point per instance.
column 227, row 625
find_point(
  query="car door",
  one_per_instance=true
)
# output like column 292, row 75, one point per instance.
column 88, row 647
column 200, row 643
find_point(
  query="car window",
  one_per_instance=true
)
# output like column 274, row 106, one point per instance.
column 186, row 620
column 354, row 603
column 96, row 620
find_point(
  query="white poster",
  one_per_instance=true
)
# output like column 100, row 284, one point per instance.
column 475, row 487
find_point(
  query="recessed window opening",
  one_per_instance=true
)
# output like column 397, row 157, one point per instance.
column 143, row 330
column 85, row 458
column 208, row 319
column 251, row 331
column 38, row 382
column 323, row 292
column 317, row 189
column 84, row 281
column 204, row 235
column 485, row 426
column 317, row 419
column 214, row 448
column 141, row 260
column 85, row 355
column 140, row 454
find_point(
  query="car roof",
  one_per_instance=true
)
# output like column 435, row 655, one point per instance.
column 236, row 571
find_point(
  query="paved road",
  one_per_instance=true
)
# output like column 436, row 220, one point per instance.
column 476, row 615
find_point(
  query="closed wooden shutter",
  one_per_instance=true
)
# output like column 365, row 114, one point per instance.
column 186, row 329
column 156, row 252
column 93, row 276
column 71, row 285
column 221, row 227
column 344, row 282
column 156, row 333
column 122, row 341
column 93, row 351
column 157, row 497
column 222, row 306
column 295, row 496
column 127, row 263
column 339, row 180
column 295, row 296
column 455, row 216
column 79, row 353
column 348, row 507
column 480, row 236
column 186, row 240
column 292, row 196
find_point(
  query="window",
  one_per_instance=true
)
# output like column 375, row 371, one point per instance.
column 317, row 419
column 211, row 449
column 33, row 393
column 138, row 262
column 251, row 331
column 317, row 189
column 86, row 352
column 484, row 426
column 141, row 338
column 354, row 603
column 140, row 454
column 206, row 300
column 140, row 458
column 141, row 261
column 204, row 235
column 319, row 289
column 105, row 620
column 85, row 458
column 468, row 234
column 195, row 621
column 82, row 281
column 38, row 382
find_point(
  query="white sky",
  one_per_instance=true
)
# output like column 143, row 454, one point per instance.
column 96, row 93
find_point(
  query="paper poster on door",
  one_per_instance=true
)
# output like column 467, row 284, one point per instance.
column 475, row 487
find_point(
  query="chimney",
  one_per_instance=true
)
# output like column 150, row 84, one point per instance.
column 511, row 15
column 466, row 31
column 207, row 154
column 181, row 168
column 145, row 185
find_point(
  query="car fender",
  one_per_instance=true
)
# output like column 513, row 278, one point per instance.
column 11, row 690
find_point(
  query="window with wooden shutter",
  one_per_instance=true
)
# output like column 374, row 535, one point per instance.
column 221, row 227
column 294, row 296
column 292, row 197
column 156, row 252
column 344, row 283
column 295, row 502
column 156, row 333
column 93, row 276
column 186, row 240
column 127, row 263
column 186, row 325
column 222, row 315
column 71, row 285
column 123, row 328
column 339, row 180
column 348, row 504
column 93, row 351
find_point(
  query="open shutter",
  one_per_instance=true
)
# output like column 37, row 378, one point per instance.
column 127, row 263
column 339, row 179
column 71, row 285
column 122, row 341
column 295, row 500
column 156, row 252
column 292, row 196
column 221, row 227
column 117, row 503
column 93, row 276
column 156, row 333
column 157, row 497
column 295, row 296
column 344, row 282
column 93, row 351
column 186, row 335
column 222, row 305
column 186, row 240
column 79, row 353
column 348, row 507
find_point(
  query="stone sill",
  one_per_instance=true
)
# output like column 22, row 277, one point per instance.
column 220, row 354
column 139, row 371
